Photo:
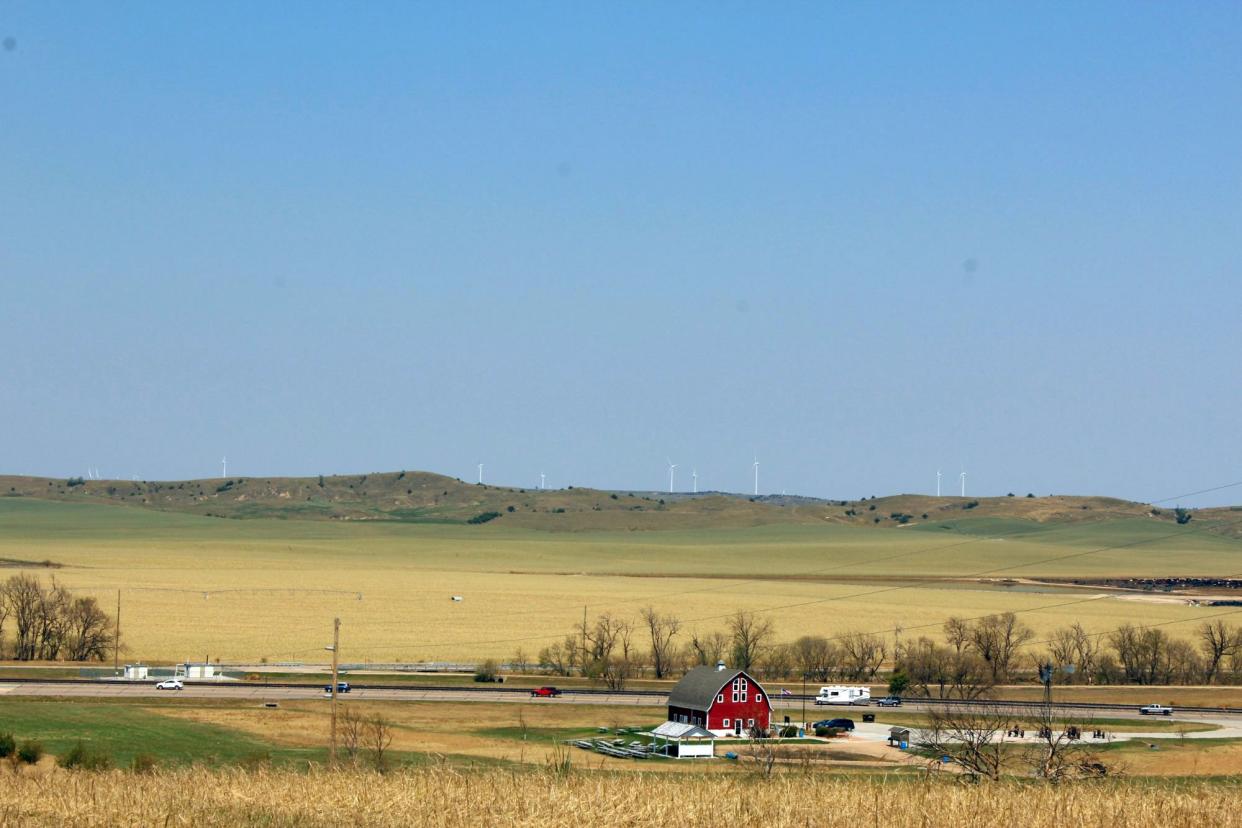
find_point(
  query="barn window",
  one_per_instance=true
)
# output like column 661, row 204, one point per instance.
column 726, row 722
column 758, row 697
column 735, row 695
column 743, row 694
column 743, row 681
column 750, row 722
column 720, row 698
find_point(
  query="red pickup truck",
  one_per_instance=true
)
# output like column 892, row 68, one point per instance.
column 545, row 693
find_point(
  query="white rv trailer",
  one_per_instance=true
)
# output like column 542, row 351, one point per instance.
column 844, row 694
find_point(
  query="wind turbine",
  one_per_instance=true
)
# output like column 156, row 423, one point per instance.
column 672, row 470
column 694, row 473
column 756, row 464
column 542, row 478
column 963, row 475
column 480, row 472
column 224, row 466
column 937, row 482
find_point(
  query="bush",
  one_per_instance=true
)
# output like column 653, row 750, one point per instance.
column 1182, row 516
column 80, row 757
column 486, row 671
column 511, row 509
column 970, row 504
column 789, row 732
column 7, row 745
column 828, row 732
column 30, row 752
column 484, row 517
column 143, row 763
column 1030, row 494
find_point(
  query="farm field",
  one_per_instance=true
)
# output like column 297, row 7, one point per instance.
column 246, row 590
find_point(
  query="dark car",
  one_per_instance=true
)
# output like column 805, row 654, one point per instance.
column 890, row 701
column 839, row 724
column 341, row 687
column 545, row 692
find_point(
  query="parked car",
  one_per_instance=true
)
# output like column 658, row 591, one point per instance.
column 341, row 687
column 839, row 724
column 890, row 701
column 169, row 684
column 1156, row 710
column 545, row 692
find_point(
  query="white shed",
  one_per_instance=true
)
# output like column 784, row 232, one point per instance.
column 136, row 672
column 686, row 741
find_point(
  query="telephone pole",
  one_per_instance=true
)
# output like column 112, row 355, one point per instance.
column 116, row 645
column 336, row 646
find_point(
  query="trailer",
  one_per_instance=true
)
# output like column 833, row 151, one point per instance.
column 844, row 694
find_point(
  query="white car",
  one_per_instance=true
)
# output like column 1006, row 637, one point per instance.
column 169, row 684
column 1156, row 710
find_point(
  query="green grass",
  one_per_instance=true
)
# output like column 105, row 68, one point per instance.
column 123, row 730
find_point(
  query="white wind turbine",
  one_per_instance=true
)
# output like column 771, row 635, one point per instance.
column 756, row 465
column 224, row 466
column 480, row 472
column 672, row 471
column 694, row 473
column 542, row 479
column 937, row 482
column 963, row 476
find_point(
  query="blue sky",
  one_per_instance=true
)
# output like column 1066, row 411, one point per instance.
column 863, row 241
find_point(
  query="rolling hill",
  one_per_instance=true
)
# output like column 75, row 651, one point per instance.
column 424, row 497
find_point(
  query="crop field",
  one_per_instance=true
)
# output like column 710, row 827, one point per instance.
column 245, row 590
column 499, row 797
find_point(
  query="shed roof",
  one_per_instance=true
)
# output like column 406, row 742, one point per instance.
column 699, row 687
column 679, row 730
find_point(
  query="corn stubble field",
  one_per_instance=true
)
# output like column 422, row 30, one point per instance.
column 534, row 798
column 245, row 590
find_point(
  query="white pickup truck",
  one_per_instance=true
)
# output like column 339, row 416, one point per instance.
column 1155, row 710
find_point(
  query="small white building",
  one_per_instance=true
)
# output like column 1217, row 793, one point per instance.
column 197, row 670
column 685, row 741
column 136, row 672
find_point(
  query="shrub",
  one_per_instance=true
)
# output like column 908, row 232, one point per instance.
column 1182, row 516
column 483, row 517
column 970, row 504
column 7, row 745
column 80, row 757
column 511, row 509
column 30, row 752
column 485, row 671
column 788, row 732
column 143, row 763
column 613, row 496
column 1030, row 494
column 828, row 732
column 871, row 508
column 73, row 481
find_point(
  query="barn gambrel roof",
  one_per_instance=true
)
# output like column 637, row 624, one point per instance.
column 699, row 687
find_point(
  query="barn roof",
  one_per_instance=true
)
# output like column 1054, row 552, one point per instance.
column 699, row 687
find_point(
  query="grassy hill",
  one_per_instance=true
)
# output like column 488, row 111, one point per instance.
column 426, row 498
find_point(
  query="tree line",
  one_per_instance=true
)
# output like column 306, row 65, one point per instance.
column 968, row 659
column 41, row 622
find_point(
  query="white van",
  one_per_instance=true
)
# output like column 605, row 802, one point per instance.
column 844, row 694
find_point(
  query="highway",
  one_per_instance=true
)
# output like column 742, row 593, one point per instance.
column 260, row 693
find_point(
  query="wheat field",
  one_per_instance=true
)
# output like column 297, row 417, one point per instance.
column 268, row 589
column 497, row 797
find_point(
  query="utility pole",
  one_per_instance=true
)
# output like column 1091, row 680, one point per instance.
column 116, row 645
column 583, row 665
column 336, row 647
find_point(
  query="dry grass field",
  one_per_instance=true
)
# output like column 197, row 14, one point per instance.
column 245, row 590
column 532, row 798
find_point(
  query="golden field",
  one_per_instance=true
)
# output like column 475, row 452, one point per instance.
column 245, row 590
column 532, row 798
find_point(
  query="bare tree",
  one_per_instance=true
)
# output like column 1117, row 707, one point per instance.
column 863, row 653
column 970, row 737
column 1218, row 640
column 934, row 669
column 520, row 661
column 997, row 639
column 89, row 630
column 555, row 659
column 749, row 636
column 1059, row 752
column 352, row 729
column 378, row 737
column 957, row 632
column 662, row 629
column 707, row 649
column 815, row 657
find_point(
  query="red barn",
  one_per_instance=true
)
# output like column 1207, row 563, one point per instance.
column 720, row 700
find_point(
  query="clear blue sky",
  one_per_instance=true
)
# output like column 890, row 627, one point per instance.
column 866, row 241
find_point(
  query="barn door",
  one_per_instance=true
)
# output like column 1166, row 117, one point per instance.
column 737, row 727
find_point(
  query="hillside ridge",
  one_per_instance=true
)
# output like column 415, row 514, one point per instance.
column 430, row 498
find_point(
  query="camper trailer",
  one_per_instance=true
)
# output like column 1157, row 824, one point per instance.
column 844, row 694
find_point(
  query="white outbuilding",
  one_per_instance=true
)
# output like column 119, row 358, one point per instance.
column 685, row 741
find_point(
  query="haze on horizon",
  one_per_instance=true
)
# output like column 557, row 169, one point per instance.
column 864, row 243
